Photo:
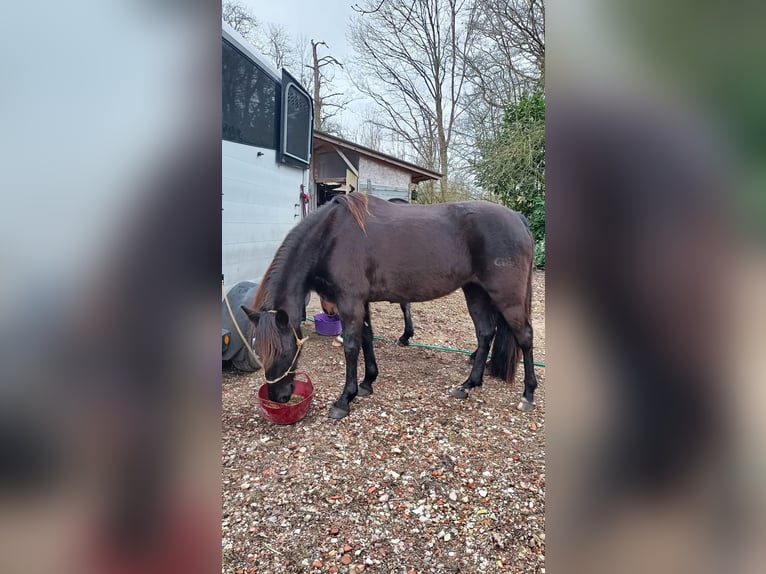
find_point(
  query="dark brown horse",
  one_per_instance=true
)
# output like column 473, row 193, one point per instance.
column 359, row 249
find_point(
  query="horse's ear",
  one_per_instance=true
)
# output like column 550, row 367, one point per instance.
column 252, row 315
column 283, row 320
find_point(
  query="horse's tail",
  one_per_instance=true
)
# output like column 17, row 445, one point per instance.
column 505, row 349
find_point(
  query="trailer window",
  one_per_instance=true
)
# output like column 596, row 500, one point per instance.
column 298, row 129
column 249, row 101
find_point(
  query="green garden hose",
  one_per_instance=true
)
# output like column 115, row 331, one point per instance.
column 433, row 347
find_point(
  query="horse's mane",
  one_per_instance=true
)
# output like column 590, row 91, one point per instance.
column 268, row 344
column 357, row 205
column 263, row 291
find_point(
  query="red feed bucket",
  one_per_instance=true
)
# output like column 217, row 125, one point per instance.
column 287, row 414
column 326, row 325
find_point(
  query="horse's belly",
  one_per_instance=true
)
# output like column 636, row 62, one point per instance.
column 411, row 289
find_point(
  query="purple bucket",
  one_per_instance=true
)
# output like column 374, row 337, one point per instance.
column 326, row 325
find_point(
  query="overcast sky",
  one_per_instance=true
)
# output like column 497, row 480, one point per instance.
column 321, row 20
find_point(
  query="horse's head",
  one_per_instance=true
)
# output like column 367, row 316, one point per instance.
column 277, row 344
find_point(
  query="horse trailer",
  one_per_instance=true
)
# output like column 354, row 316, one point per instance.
column 266, row 151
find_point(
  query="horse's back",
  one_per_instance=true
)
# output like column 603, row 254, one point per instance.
column 421, row 252
column 489, row 224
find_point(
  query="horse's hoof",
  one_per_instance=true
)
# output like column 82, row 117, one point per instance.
column 525, row 406
column 363, row 391
column 460, row 393
column 337, row 414
column 403, row 342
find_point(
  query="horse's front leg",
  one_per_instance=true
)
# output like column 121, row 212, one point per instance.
column 352, row 342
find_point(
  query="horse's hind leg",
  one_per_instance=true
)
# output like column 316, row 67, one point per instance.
column 409, row 331
column 522, row 334
column 483, row 315
column 370, row 364
column 524, row 339
column 511, row 293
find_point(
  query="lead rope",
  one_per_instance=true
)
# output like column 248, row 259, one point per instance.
column 239, row 331
column 298, row 342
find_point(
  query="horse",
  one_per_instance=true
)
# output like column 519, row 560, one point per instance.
column 359, row 249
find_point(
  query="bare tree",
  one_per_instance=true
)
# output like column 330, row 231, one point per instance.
column 326, row 105
column 274, row 42
column 368, row 133
column 278, row 45
column 241, row 18
column 411, row 64
column 302, row 61
column 507, row 58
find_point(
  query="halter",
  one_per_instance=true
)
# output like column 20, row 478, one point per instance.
column 249, row 347
column 289, row 371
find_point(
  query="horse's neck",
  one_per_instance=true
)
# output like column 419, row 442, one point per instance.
column 292, row 287
column 292, row 302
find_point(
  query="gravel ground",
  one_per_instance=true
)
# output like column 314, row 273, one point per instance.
column 412, row 481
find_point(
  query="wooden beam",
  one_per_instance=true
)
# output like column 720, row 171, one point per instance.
column 348, row 163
